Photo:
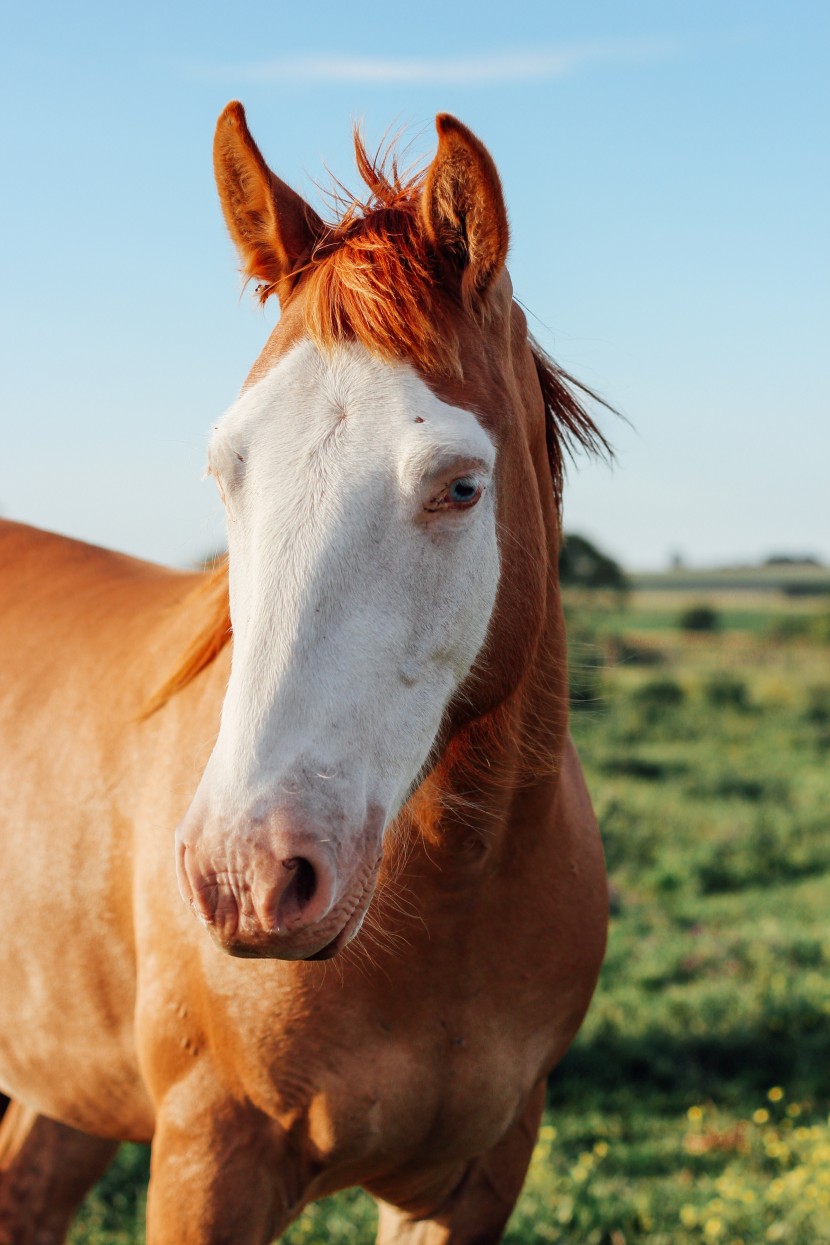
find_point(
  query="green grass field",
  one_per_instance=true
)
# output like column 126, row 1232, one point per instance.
column 694, row 1105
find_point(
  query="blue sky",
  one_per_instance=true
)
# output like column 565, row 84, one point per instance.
column 666, row 172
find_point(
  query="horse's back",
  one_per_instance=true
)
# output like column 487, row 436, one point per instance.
column 73, row 596
column 79, row 650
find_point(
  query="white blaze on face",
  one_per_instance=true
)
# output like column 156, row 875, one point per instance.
column 361, row 585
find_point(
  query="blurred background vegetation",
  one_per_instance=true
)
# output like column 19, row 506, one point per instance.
column 693, row 1107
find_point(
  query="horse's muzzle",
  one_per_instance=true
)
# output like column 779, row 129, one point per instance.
column 273, row 890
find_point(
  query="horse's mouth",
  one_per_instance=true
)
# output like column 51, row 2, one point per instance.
column 349, row 930
column 268, row 948
column 330, row 949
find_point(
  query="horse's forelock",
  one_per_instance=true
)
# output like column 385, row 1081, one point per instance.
column 373, row 275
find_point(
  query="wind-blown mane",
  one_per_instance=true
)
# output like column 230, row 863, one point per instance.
column 568, row 426
column 372, row 277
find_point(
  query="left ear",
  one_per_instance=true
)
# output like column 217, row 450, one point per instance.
column 273, row 229
column 462, row 208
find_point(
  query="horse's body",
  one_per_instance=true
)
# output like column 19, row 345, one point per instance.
column 415, row 1063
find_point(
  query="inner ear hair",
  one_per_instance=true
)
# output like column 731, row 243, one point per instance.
column 462, row 209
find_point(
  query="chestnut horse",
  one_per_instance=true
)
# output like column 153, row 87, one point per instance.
column 376, row 771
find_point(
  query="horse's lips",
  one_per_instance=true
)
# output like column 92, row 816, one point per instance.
column 269, row 950
column 349, row 930
column 330, row 950
column 347, row 933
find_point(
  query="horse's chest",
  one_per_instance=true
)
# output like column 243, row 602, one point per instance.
column 430, row 1065
column 444, row 1082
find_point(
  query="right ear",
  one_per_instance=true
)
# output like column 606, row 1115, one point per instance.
column 272, row 227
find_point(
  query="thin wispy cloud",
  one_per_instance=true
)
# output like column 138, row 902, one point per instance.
column 557, row 61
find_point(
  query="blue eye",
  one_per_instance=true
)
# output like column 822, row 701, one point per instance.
column 462, row 492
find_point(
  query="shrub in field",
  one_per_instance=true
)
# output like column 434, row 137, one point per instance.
column 655, row 704
column 726, row 691
column 737, row 784
column 771, row 851
column 789, row 627
column 820, row 628
column 665, row 693
column 649, row 769
column 699, row 618
column 817, row 709
column 812, row 626
column 627, row 837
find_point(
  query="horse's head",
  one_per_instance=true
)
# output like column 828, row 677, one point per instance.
column 386, row 479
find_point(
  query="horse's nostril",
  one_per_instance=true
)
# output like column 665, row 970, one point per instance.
column 300, row 890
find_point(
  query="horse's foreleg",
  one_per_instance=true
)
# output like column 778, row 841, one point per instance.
column 477, row 1210
column 215, row 1177
column 46, row 1169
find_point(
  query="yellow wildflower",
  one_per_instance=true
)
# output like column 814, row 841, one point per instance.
column 775, row 1094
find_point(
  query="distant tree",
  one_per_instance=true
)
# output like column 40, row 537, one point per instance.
column 699, row 618
column 788, row 559
column 726, row 691
column 582, row 565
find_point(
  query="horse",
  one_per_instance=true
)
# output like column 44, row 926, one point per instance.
column 301, row 879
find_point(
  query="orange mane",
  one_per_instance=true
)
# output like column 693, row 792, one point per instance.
column 211, row 600
column 372, row 278
column 372, row 274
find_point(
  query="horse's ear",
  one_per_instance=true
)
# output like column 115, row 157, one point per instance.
column 272, row 227
column 463, row 207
